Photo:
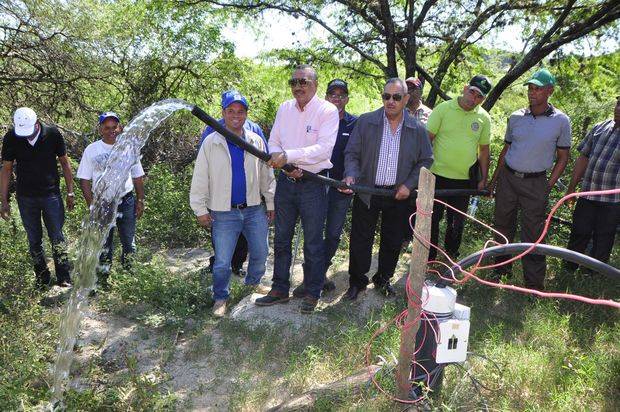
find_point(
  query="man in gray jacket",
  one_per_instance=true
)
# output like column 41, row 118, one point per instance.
column 387, row 149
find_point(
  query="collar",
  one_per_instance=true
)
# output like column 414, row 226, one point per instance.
column 219, row 139
column 548, row 113
column 312, row 101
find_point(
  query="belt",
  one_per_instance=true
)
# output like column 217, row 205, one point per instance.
column 239, row 206
column 302, row 180
column 525, row 175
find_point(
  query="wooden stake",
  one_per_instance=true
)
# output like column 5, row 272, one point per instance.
column 417, row 271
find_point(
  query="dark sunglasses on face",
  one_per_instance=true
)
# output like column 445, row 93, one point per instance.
column 397, row 97
column 337, row 96
column 299, row 82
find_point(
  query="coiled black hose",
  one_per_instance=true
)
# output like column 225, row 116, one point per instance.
column 540, row 249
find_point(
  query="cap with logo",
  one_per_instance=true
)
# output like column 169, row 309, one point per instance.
column 414, row 83
column 232, row 96
column 481, row 84
column 337, row 84
column 24, row 120
column 542, row 77
column 108, row 115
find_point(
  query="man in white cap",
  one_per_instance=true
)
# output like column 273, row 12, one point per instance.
column 131, row 207
column 35, row 147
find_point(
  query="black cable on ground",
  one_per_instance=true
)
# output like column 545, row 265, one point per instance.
column 238, row 141
column 540, row 249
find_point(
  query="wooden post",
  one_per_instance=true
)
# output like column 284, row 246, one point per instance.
column 417, row 274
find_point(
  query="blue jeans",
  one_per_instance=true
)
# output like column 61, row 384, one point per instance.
column 126, row 226
column 252, row 222
column 308, row 201
column 337, row 206
column 52, row 210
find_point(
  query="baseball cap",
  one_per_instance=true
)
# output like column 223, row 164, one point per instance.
column 414, row 83
column 106, row 115
column 481, row 83
column 337, row 83
column 232, row 96
column 542, row 77
column 24, row 120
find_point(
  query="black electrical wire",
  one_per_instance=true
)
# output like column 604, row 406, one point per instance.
column 540, row 249
column 238, row 141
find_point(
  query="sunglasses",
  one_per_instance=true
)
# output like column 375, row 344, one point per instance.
column 337, row 96
column 397, row 97
column 299, row 82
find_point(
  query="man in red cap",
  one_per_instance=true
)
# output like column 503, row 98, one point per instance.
column 415, row 106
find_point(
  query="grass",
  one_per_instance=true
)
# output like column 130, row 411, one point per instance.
column 535, row 354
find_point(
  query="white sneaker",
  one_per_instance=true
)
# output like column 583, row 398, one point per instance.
column 219, row 308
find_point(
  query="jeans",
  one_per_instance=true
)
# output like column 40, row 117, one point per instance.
column 307, row 200
column 364, row 222
column 227, row 226
column 126, row 226
column 52, row 210
column 337, row 206
column 240, row 255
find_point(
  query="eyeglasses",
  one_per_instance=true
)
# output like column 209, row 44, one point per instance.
column 299, row 82
column 337, row 96
column 397, row 97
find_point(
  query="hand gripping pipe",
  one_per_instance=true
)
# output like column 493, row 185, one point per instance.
column 540, row 249
column 238, row 141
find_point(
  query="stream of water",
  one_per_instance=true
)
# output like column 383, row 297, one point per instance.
column 107, row 192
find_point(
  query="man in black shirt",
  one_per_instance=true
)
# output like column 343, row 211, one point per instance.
column 34, row 147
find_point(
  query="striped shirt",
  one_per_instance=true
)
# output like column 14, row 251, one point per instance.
column 388, row 154
column 602, row 148
column 422, row 113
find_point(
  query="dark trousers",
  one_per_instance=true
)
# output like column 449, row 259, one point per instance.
column 531, row 196
column 364, row 222
column 51, row 209
column 126, row 227
column 308, row 201
column 239, row 256
column 337, row 206
column 454, row 221
column 596, row 221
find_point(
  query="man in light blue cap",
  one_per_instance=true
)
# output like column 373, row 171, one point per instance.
column 241, row 250
column 226, row 194
column 537, row 140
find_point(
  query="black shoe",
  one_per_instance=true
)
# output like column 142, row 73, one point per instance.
column 385, row 289
column 42, row 282
column 308, row 304
column 64, row 282
column 353, row 291
column 328, row 286
column 272, row 298
column 239, row 272
column 300, row 291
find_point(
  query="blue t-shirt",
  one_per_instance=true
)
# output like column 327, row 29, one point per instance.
column 248, row 125
column 238, row 189
column 345, row 127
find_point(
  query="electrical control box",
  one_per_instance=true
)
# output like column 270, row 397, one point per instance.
column 453, row 336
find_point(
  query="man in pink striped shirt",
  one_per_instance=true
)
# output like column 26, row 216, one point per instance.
column 303, row 134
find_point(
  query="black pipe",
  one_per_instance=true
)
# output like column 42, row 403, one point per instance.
column 238, row 141
column 540, row 249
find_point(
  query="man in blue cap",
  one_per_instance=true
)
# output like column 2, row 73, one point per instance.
column 227, row 187
column 34, row 147
column 241, row 249
column 131, row 207
column 538, row 139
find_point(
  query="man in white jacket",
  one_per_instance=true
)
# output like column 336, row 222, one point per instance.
column 226, row 195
